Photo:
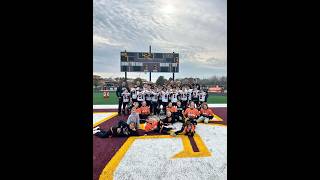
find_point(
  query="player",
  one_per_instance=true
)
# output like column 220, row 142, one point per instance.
column 144, row 111
column 205, row 114
column 119, row 92
column 140, row 97
column 164, row 97
column 191, row 113
column 133, row 92
column 202, row 97
column 188, row 128
column 121, row 130
column 147, row 93
column 195, row 96
column 183, row 96
column 154, row 101
column 174, row 97
column 125, row 101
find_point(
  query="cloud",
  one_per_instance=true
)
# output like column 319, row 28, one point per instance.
column 195, row 29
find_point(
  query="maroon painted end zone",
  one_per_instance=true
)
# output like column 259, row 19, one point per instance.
column 105, row 149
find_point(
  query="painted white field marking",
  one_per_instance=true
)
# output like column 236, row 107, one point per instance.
column 151, row 158
column 100, row 117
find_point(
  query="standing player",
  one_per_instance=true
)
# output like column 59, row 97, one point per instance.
column 164, row 97
column 140, row 97
column 134, row 93
column 125, row 101
column 154, row 101
column 195, row 96
column 174, row 97
column 119, row 92
column 147, row 93
column 202, row 97
column 183, row 96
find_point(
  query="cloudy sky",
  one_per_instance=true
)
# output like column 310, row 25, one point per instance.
column 196, row 29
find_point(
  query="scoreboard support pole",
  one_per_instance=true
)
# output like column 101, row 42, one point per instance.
column 125, row 76
column 150, row 77
column 172, row 76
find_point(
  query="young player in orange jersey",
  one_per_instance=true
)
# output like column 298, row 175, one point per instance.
column 192, row 113
column 205, row 114
column 144, row 110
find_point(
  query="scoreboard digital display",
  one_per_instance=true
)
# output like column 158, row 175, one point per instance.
column 149, row 62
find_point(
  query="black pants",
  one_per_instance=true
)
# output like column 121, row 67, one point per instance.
column 143, row 116
column 140, row 103
column 164, row 104
column 174, row 103
column 154, row 107
column 106, row 134
column 184, row 104
column 176, row 116
column 124, row 104
column 148, row 103
column 119, row 107
column 196, row 102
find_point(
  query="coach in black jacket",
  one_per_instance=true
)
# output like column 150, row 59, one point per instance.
column 119, row 92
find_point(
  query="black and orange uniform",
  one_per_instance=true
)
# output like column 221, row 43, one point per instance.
column 188, row 128
column 144, row 112
column 206, row 113
column 191, row 113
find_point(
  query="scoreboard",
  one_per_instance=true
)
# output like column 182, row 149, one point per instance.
column 149, row 62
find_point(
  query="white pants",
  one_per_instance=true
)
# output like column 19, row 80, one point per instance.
column 202, row 118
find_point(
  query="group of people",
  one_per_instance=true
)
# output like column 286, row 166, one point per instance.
column 159, row 108
column 155, row 96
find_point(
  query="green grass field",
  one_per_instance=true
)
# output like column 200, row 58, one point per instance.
column 99, row 100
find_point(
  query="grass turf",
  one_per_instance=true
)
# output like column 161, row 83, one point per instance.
column 99, row 100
